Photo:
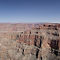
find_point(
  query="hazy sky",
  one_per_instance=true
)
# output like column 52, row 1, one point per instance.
column 30, row 11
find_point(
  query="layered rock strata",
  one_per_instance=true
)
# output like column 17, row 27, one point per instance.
column 29, row 41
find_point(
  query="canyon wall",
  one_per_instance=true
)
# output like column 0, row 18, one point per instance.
column 29, row 41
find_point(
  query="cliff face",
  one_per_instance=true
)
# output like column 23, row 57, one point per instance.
column 30, row 41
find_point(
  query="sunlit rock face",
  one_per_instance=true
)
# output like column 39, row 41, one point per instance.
column 20, row 41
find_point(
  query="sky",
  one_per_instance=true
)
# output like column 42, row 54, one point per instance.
column 29, row 11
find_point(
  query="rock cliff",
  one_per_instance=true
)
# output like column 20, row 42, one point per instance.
column 29, row 41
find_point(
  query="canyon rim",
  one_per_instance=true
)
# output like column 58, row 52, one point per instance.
column 21, row 41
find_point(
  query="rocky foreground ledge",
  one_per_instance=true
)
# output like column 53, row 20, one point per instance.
column 20, row 41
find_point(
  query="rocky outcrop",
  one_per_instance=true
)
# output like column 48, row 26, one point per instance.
column 30, row 41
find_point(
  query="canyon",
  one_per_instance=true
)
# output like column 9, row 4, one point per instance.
column 33, row 41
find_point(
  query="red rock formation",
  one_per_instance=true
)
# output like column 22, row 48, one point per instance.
column 44, row 37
